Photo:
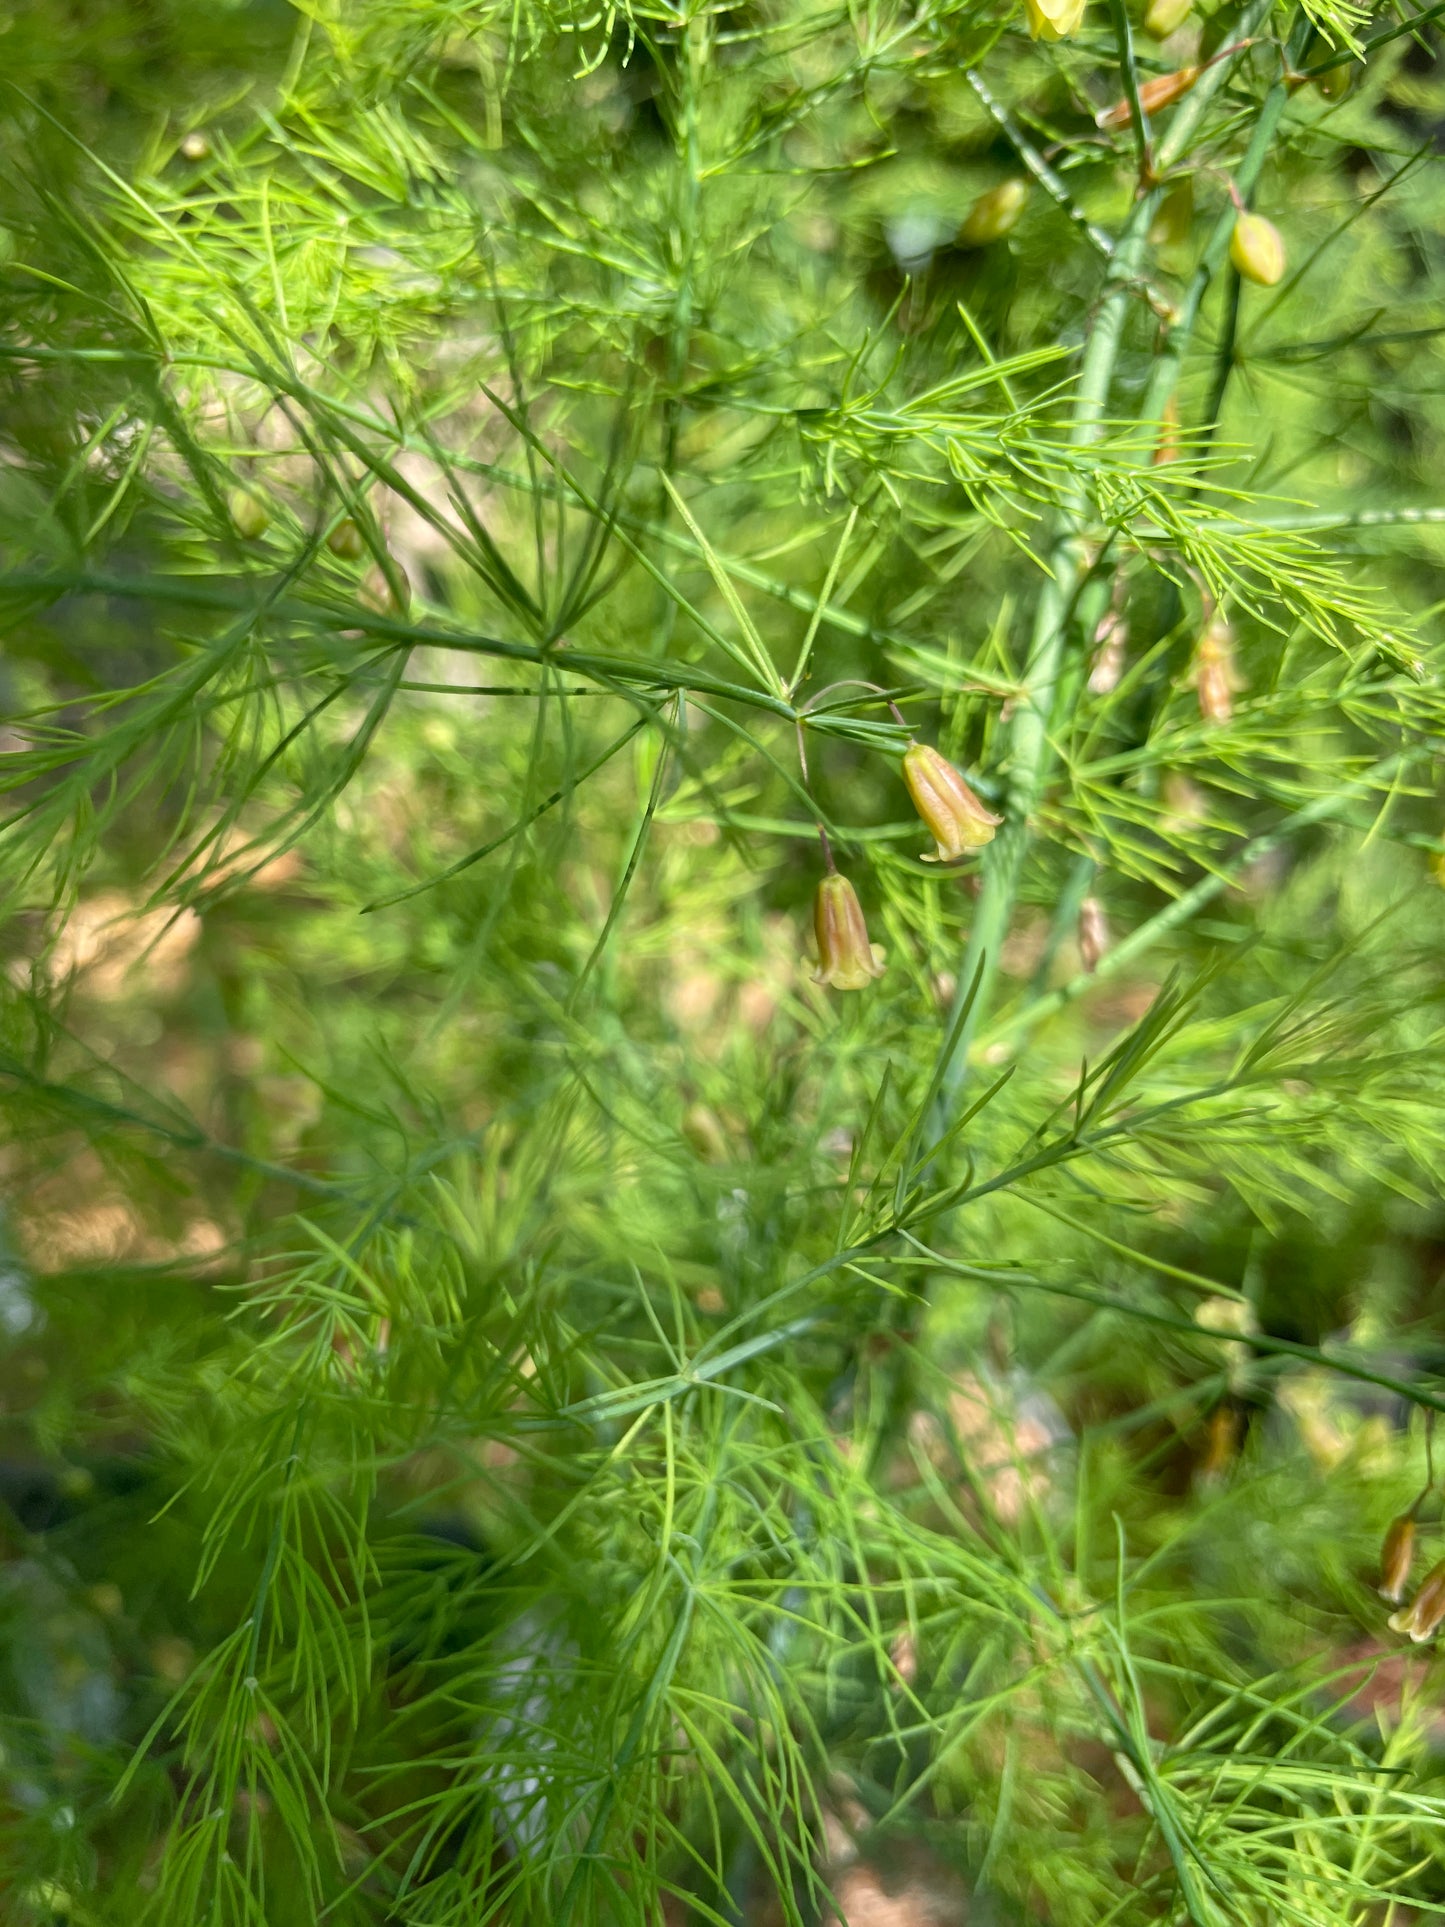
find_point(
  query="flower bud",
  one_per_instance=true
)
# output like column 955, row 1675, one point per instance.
column 1397, row 1555
column 250, row 516
column 1154, row 96
column 1053, row 19
column 956, row 819
column 379, row 592
column 703, row 1129
column 1093, row 933
column 1257, row 250
column 1163, row 16
column 846, row 959
column 346, row 540
column 1111, row 643
column 1174, row 216
column 1214, row 675
column 1335, row 82
column 1425, row 1611
column 994, row 214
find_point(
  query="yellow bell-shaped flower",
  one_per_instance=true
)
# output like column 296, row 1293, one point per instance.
column 955, row 817
column 1421, row 1618
column 1053, row 19
column 846, row 959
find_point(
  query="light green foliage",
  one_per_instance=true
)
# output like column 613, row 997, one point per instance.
column 520, row 1406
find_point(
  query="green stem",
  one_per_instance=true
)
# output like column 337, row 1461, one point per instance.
column 1028, row 755
column 1165, row 378
column 1179, row 912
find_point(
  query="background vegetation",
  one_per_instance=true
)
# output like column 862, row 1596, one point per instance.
column 518, row 1403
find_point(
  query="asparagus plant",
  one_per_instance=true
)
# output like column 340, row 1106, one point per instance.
column 721, row 1045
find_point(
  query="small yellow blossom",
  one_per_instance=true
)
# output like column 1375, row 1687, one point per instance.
column 1054, row 19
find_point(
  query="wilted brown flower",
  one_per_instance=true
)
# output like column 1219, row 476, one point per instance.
column 1422, row 1616
column 956, row 819
column 1397, row 1555
column 846, row 959
column 1154, row 95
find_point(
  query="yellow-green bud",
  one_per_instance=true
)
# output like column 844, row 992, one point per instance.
column 955, row 817
column 994, row 214
column 1164, row 16
column 1257, row 250
column 846, row 959
column 346, row 540
column 1053, row 19
column 250, row 516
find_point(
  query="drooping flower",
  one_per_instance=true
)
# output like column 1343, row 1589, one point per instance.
column 846, row 959
column 993, row 214
column 1397, row 1555
column 956, row 819
column 1257, row 250
column 1053, row 19
column 1154, row 96
column 1214, row 674
column 1421, row 1618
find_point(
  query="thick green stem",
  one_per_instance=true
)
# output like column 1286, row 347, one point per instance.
column 1027, row 755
